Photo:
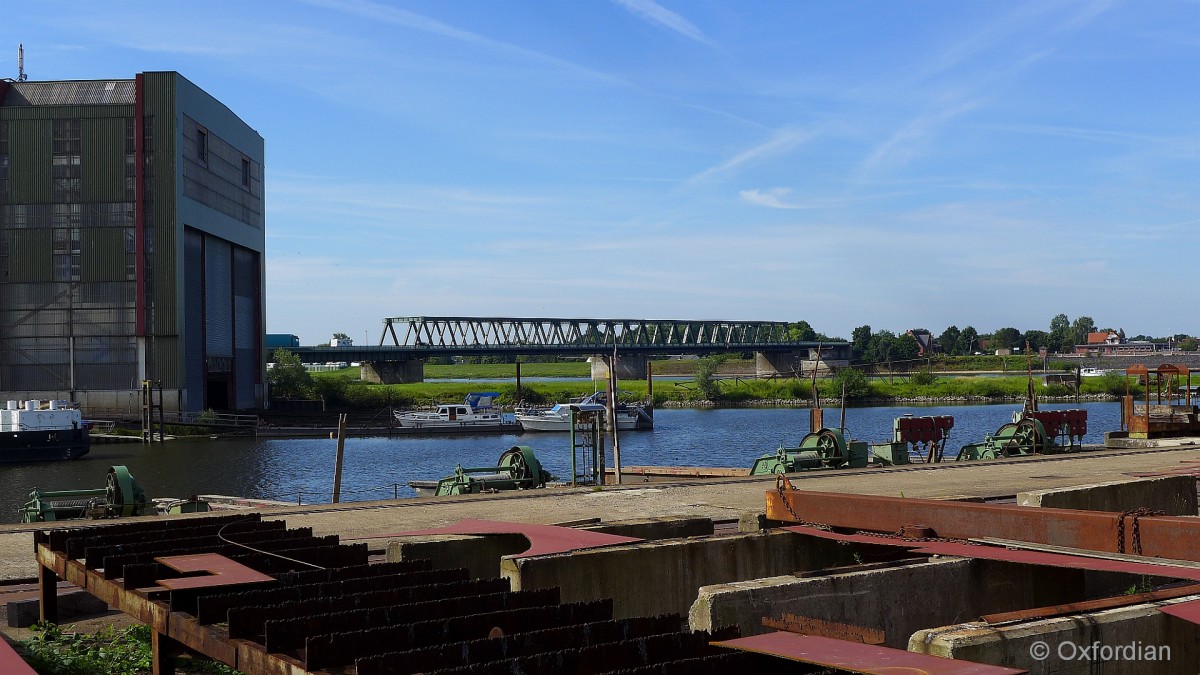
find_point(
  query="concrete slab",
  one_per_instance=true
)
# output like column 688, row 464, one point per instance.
column 661, row 577
column 892, row 602
column 1133, row 640
column 1173, row 495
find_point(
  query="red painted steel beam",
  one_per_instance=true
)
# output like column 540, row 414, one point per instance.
column 857, row 657
column 11, row 662
column 1173, row 537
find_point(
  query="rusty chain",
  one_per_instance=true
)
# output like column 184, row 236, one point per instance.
column 782, row 483
column 1136, row 514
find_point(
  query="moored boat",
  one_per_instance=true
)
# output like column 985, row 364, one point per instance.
column 558, row 417
column 475, row 412
column 37, row 432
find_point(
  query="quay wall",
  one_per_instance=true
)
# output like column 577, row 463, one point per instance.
column 1174, row 495
column 659, row 577
column 1072, row 645
column 898, row 601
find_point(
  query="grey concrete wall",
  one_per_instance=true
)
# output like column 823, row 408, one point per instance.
column 392, row 372
column 658, row 577
column 1072, row 644
column 796, row 363
column 628, row 368
column 480, row 555
column 1176, row 495
column 896, row 600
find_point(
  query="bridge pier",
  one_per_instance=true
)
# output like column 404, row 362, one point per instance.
column 393, row 372
column 801, row 363
column 628, row 367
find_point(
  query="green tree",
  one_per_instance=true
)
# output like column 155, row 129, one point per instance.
column 879, row 347
column 860, row 340
column 341, row 336
column 855, row 383
column 968, row 341
column 905, row 347
column 705, row 377
column 1036, row 339
column 1187, row 344
column 801, row 331
column 288, row 377
column 948, row 340
column 1006, row 338
column 1080, row 329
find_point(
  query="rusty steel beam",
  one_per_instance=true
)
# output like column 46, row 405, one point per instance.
column 806, row 625
column 1171, row 537
column 1093, row 605
column 1189, row 610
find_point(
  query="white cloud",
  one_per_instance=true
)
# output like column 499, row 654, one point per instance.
column 657, row 14
column 781, row 142
column 772, row 198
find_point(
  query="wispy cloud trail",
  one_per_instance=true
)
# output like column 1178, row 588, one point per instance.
column 657, row 14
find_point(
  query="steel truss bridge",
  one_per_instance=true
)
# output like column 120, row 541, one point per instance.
column 409, row 338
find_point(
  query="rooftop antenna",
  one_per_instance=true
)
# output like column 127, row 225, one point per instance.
column 21, row 76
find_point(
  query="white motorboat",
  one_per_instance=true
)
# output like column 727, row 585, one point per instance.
column 558, row 417
column 476, row 411
column 1092, row 372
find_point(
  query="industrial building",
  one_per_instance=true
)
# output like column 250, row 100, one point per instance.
column 133, row 229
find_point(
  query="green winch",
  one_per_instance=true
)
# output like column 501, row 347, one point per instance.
column 517, row 469
column 822, row 449
column 121, row 496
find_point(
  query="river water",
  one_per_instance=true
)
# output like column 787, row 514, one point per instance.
column 380, row 468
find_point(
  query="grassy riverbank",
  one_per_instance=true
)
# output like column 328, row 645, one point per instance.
column 731, row 383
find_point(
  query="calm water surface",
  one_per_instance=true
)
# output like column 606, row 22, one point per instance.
column 378, row 468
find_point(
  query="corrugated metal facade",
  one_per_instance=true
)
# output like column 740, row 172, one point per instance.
column 67, row 226
column 218, row 298
column 31, row 143
column 29, row 256
column 193, row 322
column 104, row 159
column 246, row 330
column 80, row 93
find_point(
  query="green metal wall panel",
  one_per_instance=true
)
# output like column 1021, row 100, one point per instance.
column 159, row 96
column 102, row 254
column 103, row 159
column 30, row 147
column 167, row 355
column 30, row 254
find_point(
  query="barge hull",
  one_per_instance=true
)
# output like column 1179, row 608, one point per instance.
column 43, row 445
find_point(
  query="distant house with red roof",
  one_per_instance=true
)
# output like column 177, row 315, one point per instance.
column 924, row 341
column 1109, row 343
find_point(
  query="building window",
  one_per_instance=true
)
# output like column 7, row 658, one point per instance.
column 65, row 163
column 245, row 173
column 66, row 254
column 202, row 145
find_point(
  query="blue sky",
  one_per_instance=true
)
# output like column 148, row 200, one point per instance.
column 898, row 164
